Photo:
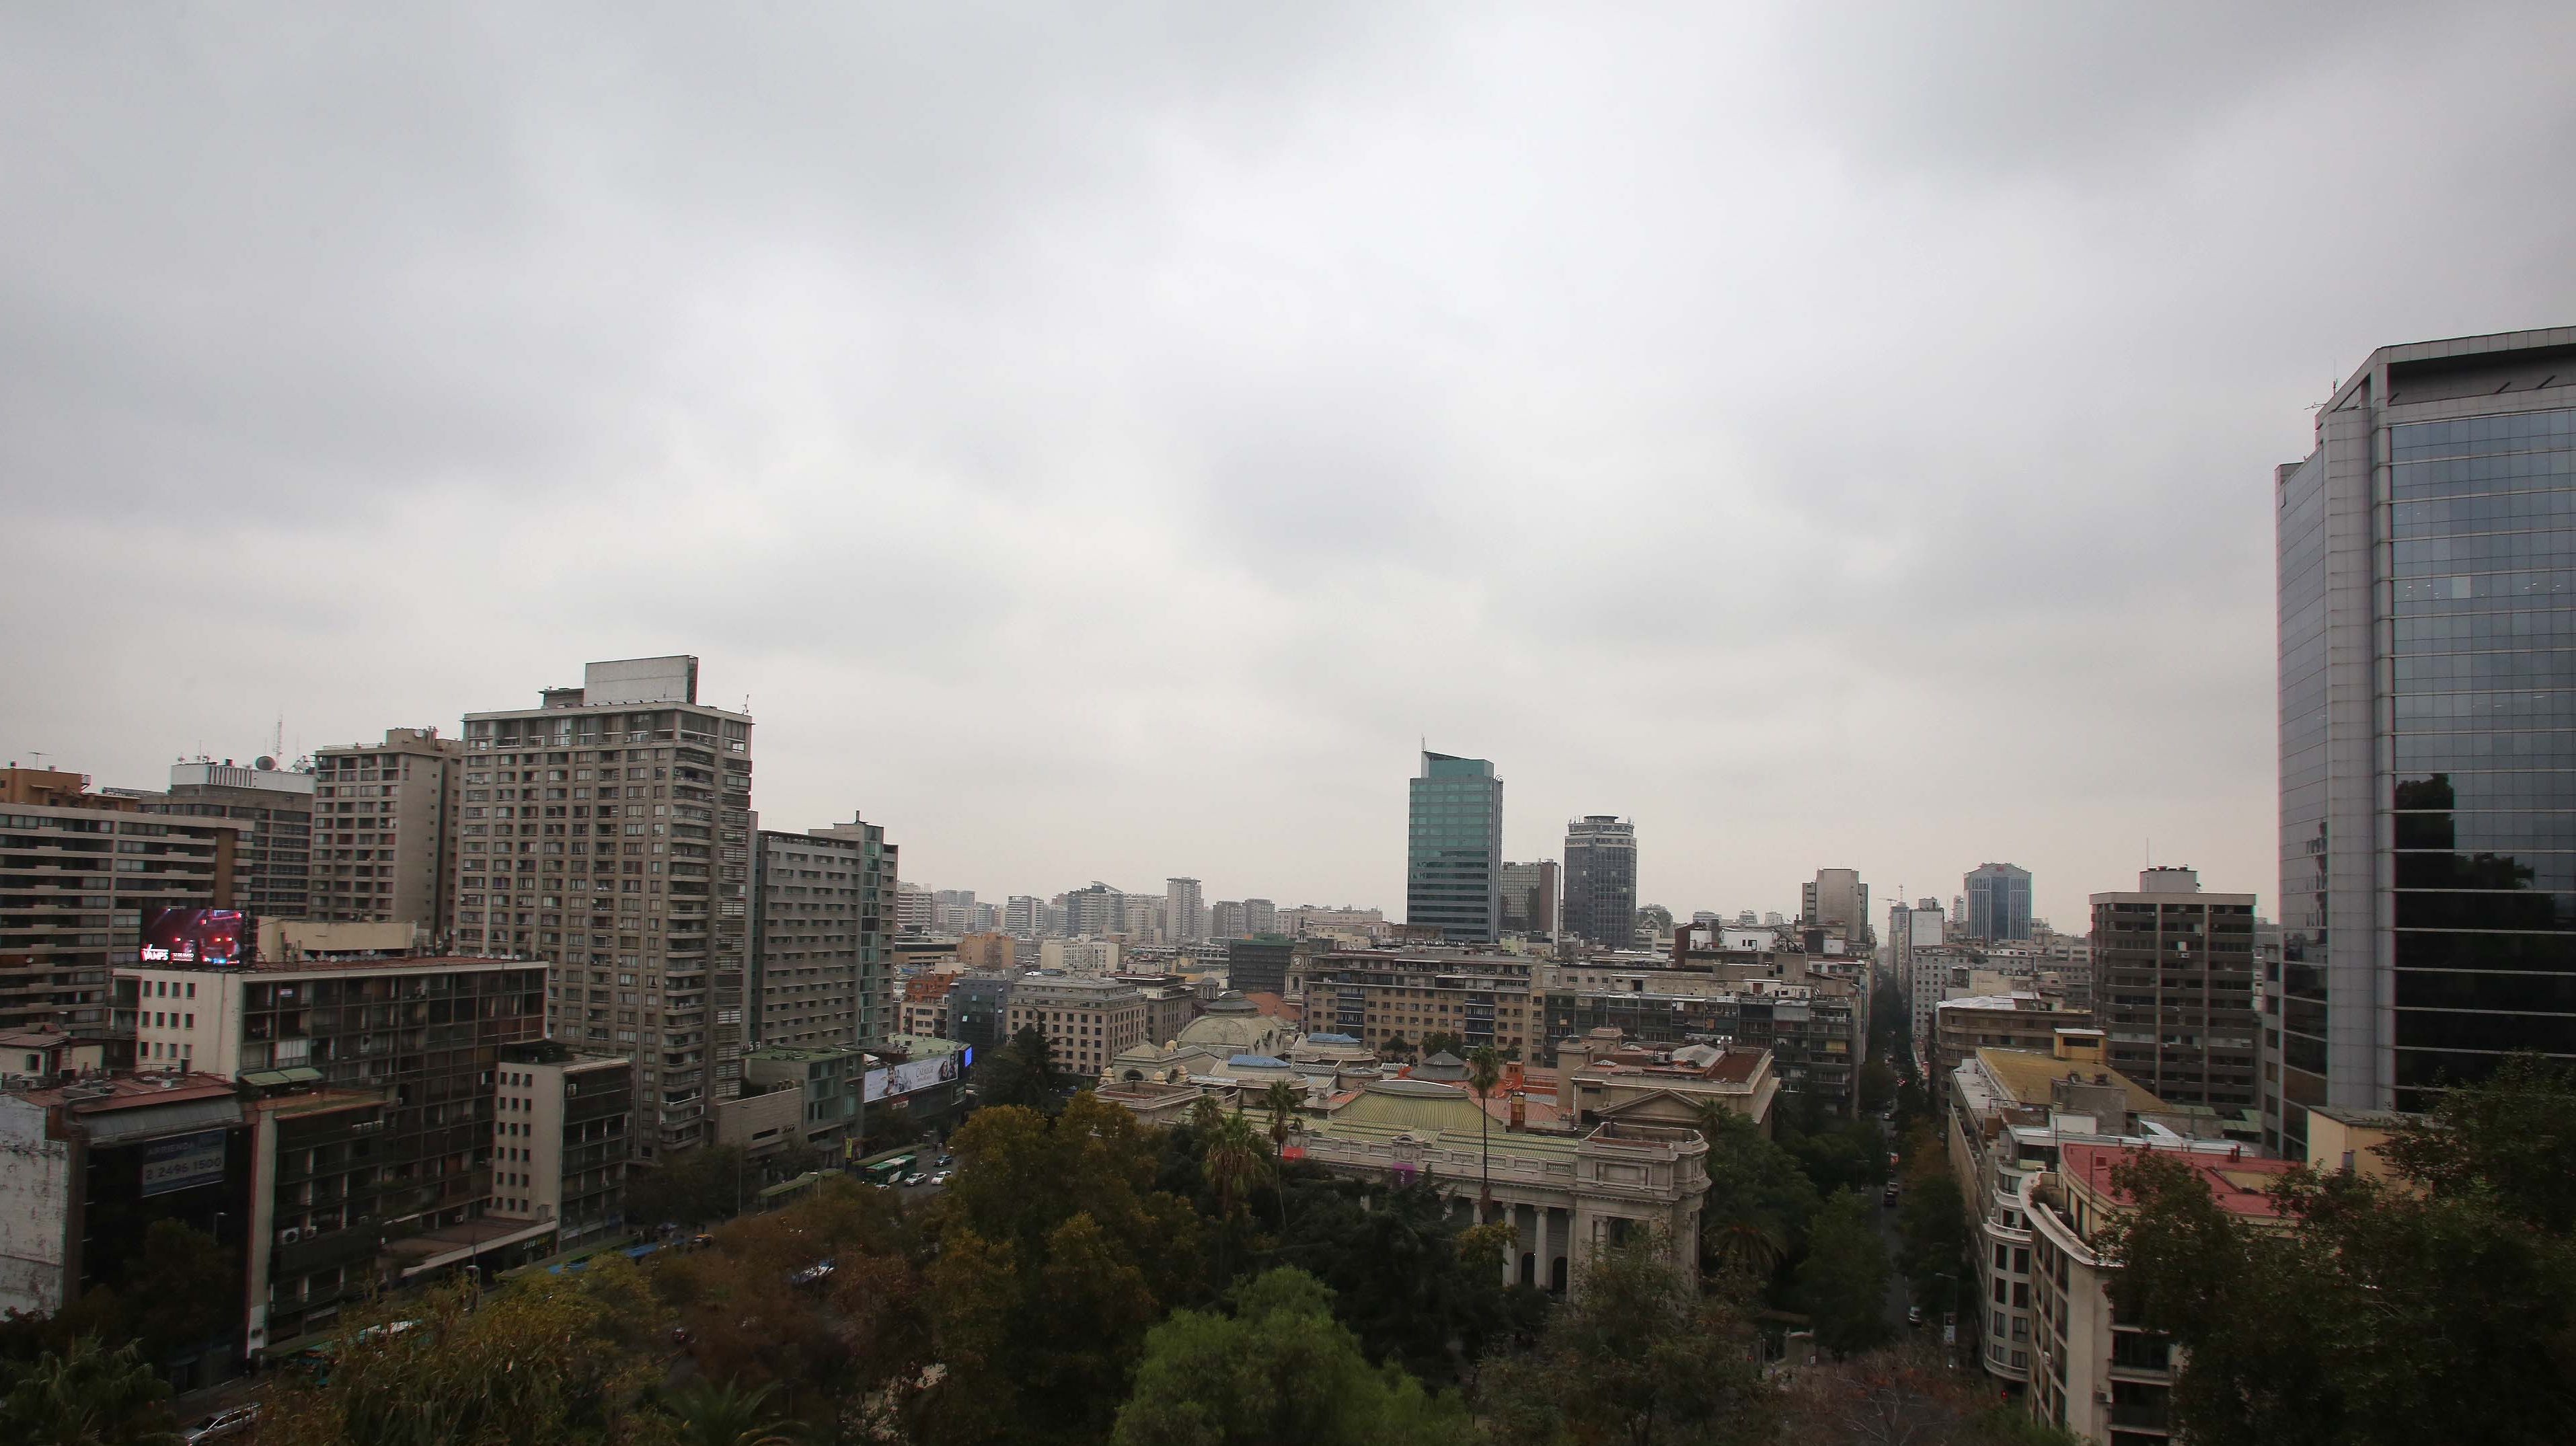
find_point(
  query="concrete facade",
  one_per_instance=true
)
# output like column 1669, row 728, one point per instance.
column 384, row 835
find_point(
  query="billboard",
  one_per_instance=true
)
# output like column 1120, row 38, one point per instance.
column 199, row 936
column 920, row 1074
column 183, row 1162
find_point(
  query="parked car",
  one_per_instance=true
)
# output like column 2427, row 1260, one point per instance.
column 940, row 1179
column 948, row 1159
column 1888, row 1195
column 231, row 1421
column 814, row 1274
column 915, row 1178
column 1913, row 1316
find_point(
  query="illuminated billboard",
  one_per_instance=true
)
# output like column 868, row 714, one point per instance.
column 220, row 937
column 920, row 1074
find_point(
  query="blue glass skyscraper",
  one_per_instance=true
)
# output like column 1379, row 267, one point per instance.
column 1454, row 851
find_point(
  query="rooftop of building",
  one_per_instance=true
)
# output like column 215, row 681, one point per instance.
column 921, row 1046
column 554, row 1051
column 2240, row 1183
column 373, row 964
column 2028, row 1075
column 2023, row 1003
column 126, row 1089
column 791, row 1053
column 1729, row 1065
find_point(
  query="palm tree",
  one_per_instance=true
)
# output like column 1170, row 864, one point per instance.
column 1281, row 1101
column 88, row 1396
column 1749, row 1248
column 1233, row 1165
column 726, row 1415
column 1484, row 1071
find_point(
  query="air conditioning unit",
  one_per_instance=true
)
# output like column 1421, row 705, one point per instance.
column 290, row 1235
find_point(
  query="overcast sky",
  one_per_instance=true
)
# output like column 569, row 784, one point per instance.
column 1102, row 441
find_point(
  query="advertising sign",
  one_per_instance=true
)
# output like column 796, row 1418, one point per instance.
column 183, row 1163
column 221, row 937
column 920, row 1074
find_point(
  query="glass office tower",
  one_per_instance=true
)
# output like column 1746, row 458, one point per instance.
column 1454, row 857
column 1601, row 880
column 2427, row 595
column 1998, row 902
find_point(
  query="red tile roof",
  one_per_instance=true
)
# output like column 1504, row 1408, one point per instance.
column 2239, row 1182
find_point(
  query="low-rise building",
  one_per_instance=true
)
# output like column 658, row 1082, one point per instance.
column 1815, row 1031
column 561, row 1135
column 2093, row 1371
column 2012, row 1112
column 1602, row 1078
column 1567, row 1197
column 1403, row 998
column 1961, row 1027
column 829, row 1083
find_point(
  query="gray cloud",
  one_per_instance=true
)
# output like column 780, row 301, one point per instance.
column 1099, row 443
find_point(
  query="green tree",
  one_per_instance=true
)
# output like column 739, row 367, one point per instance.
column 1394, row 1048
column 1021, row 1072
column 1405, row 1275
column 1639, row 1356
column 1877, row 1085
column 85, row 1396
column 1759, row 1203
column 1056, row 1254
column 2440, row 1305
column 1932, row 1226
column 1279, row 1369
column 1907, row 1395
column 1484, row 1071
column 1843, row 1281
column 547, row 1359
column 1440, row 1041
column 709, row 1414
column 691, row 1187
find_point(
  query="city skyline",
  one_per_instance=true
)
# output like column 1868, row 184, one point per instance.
column 1292, row 355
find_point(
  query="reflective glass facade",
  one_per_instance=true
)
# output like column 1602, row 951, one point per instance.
column 1601, row 880
column 2427, row 612
column 2482, row 549
column 1998, row 902
column 1454, row 854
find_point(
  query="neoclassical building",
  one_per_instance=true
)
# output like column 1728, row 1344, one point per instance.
column 1565, row 1195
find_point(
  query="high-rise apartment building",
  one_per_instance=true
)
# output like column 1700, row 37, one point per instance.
column 1024, row 916
column 83, row 874
column 1996, row 904
column 1601, row 880
column 273, row 870
column 914, row 909
column 1184, row 911
column 1226, row 920
column 609, row 831
column 820, row 901
column 384, row 829
column 1531, row 896
column 1837, row 897
column 1260, row 916
column 1091, row 909
column 2428, row 720
column 2175, row 995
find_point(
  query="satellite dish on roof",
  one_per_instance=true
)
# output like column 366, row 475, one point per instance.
column 264, row 763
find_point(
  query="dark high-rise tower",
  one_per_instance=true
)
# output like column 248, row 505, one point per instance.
column 1601, row 880
column 1997, row 902
column 2427, row 571
column 1454, row 854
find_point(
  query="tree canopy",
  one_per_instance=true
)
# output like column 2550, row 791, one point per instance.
column 1638, row 1356
column 1280, row 1368
column 2437, row 1305
column 1843, row 1281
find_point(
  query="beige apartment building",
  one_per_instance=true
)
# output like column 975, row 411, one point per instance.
column 1086, row 1021
column 2093, row 1371
column 608, row 830
column 384, row 839
column 77, row 882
